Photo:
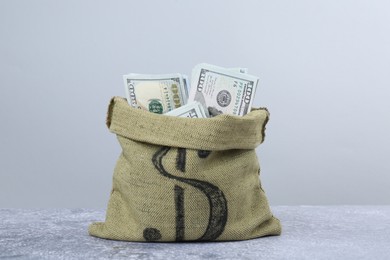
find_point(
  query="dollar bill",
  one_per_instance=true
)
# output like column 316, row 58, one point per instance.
column 190, row 110
column 186, row 84
column 237, row 69
column 222, row 89
column 155, row 93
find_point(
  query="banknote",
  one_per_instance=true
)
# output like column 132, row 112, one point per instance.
column 155, row 93
column 191, row 110
column 186, row 84
column 237, row 69
column 222, row 89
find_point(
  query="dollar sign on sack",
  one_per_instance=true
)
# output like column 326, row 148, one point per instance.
column 216, row 199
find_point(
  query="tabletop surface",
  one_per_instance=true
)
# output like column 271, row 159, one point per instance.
column 309, row 232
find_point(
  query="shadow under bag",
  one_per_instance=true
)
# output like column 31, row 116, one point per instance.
column 186, row 179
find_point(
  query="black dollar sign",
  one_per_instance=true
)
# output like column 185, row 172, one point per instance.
column 216, row 198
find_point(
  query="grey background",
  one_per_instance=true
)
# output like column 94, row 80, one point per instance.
column 324, row 68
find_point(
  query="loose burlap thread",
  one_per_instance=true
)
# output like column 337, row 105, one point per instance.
column 186, row 179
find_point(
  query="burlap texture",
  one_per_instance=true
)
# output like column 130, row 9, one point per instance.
column 182, row 179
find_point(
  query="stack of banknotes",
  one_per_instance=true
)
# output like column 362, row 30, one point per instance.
column 213, row 90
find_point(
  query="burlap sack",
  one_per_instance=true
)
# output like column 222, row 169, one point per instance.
column 182, row 179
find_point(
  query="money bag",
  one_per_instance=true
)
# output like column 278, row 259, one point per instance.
column 186, row 179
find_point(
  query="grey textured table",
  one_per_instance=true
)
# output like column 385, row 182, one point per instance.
column 309, row 232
